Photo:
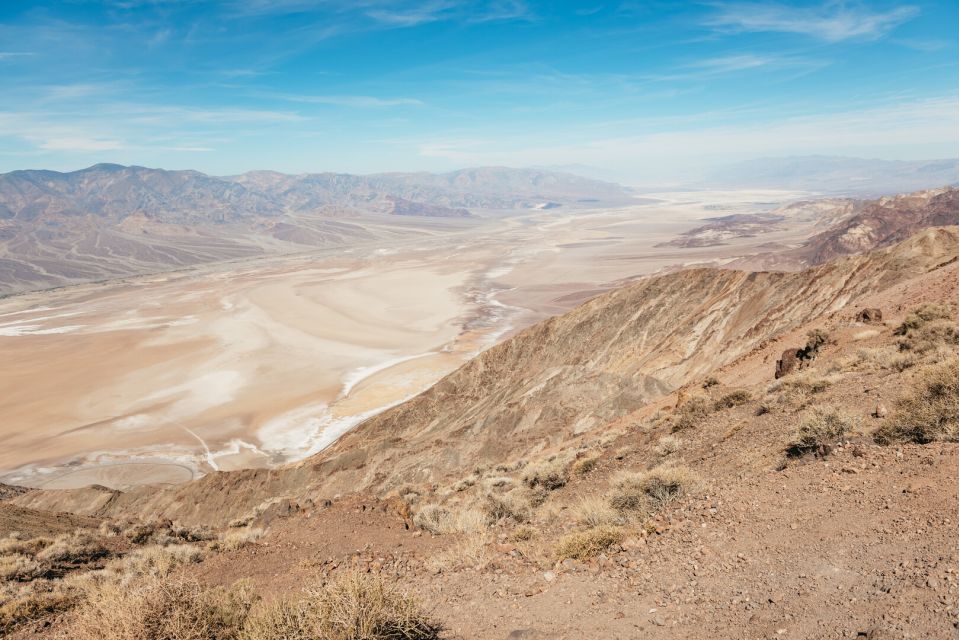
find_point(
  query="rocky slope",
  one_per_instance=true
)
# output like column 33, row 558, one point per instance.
column 557, row 381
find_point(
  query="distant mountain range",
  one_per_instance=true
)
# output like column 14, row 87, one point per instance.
column 838, row 175
column 110, row 220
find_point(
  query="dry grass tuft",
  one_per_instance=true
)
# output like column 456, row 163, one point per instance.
column 653, row 489
column 732, row 399
column 584, row 465
column 588, row 544
column 820, row 427
column 160, row 609
column 237, row 539
column 594, row 511
column 352, row 607
column 471, row 551
column 549, row 475
column 76, row 548
column 922, row 315
column 667, row 445
column 691, row 414
column 929, row 410
column 506, row 506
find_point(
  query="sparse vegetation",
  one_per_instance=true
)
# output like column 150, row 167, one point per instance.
column 77, row 548
column 820, row 427
column 594, row 511
column 929, row 410
column 173, row 608
column 549, row 475
column 732, row 399
column 584, row 465
column 691, row 414
column 653, row 489
column 352, row 607
column 921, row 315
column 710, row 382
column 237, row 539
column 668, row 445
column 583, row 545
column 507, row 506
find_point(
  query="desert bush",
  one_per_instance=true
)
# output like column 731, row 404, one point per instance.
column 140, row 532
column 173, row 608
column 653, row 489
column 352, row 607
column 507, row 506
column 733, row 399
column 469, row 551
column 691, row 414
column 921, row 315
column 931, row 336
column 584, row 465
column 549, row 475
column 710, row 382
column 20, row 567
column 815, row 340
column 667, row 445
column 583, row 545
column 806, row 382
column 35, row 605
column 522, row 534
column 76, row 548
column 820, row 427
column 594, row 511
column 498, row 482
column 439, row 520
column 21, row 545
column 928, row 410
column 237, row 539
column 155, row 561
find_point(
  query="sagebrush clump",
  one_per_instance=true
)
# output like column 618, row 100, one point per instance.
column 820, row 427
column 929, row 410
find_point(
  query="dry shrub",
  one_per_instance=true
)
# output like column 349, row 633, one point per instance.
column 691, row 414
column 20, row 545
column 439, row 520
column 584, row 465
column 934, row 336
column 805, row 382
column 732, row 399
column 922, row 315
column 470, row 551
column 498, row 482
column 237, row 539
column 34, row 605
column 587, row 544
column 820, row 427
column 155, row 561
column 866, row 334
column 549, row 475
column 499, row 507
column 21, row 568
column 667, row 445
column 175, row 608
column 352, row 607
column 522, row 534
column 653, row 489
column 711, row 381
column 75, row 548
column 929, row 410
column 594, row 511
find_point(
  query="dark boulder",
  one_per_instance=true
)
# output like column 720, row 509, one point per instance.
column 788, row 362
column 870, row 316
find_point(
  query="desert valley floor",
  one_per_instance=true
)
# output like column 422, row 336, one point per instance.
column 158, row 379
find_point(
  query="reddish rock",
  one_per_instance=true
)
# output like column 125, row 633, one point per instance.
column 870, row 316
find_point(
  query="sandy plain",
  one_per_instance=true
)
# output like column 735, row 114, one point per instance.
column 158, row 379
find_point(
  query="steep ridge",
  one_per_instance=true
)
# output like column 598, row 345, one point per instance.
column 883, row 222
column 556, row 380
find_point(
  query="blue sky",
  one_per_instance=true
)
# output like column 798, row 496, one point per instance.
column 644, row 90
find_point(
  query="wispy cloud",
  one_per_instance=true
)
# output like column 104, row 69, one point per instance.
column 356, row 101
column 12, row 55
column 79, row 144
column 833, row 21
column 736, row 62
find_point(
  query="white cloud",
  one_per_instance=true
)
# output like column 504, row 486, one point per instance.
column 79, row 144
column 356, row 101
column 833, row 21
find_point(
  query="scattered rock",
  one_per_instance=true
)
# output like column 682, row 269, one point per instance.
column 870, row 316
column 881, row 411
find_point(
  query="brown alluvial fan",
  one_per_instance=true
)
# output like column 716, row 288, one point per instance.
column 628, row 468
